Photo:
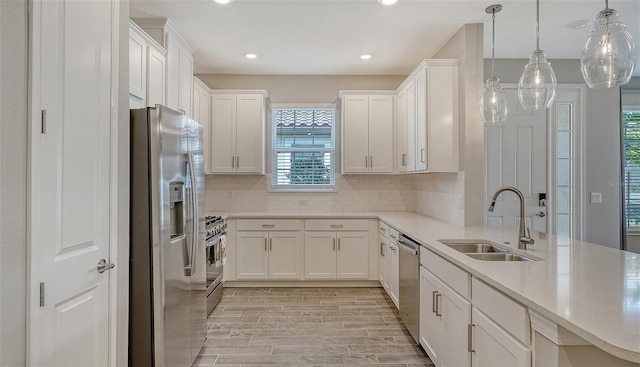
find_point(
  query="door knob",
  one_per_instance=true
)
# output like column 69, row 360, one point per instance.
column 103, row 266
column 542, row 214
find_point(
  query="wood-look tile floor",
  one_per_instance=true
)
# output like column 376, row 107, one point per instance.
column 323, row 327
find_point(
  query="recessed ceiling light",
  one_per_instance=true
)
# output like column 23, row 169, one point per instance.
column 251, row 56
column 366, row 56
column 224, row 2
column 578, row 24
column 387, row 2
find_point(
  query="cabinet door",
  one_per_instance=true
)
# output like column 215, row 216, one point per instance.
column 173, row 74
column 320, row 255
column 401, row 131
column 355, row 129
column 249, row 134
column 420, row 83
column 394, row 273
column 155, row 77
column 442, row 118
column 284, row 255
column 383, row 267
column 353, row 255
column 456, row 317
column 381, row 134
column 205, row 121
column 252, row 255
column 411, row 129
column 223, row 117
column 185, row 82
column 137, row 67
column 431, row 337
column 494, row 347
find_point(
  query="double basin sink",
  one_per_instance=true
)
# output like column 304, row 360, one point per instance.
column 484, row 250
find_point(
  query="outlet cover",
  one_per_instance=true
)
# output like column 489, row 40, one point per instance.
column 380, row 195
column 303, row 202
column 229, row 194
column 460, row 201
column 596, row 197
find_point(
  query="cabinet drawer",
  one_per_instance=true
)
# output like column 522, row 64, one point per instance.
column 336, row 225
column 269, row 225
column 393, row 234
column 507, row 313
column 383, row 229
column 456, row 278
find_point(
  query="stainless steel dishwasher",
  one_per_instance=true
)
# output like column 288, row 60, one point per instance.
column 409, row 297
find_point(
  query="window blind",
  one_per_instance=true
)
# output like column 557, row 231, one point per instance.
column 631, row 131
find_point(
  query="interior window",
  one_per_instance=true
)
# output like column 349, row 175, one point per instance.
column 631, row 136
column 303, row 149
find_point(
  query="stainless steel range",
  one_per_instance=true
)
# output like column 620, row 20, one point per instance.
column 216, row 230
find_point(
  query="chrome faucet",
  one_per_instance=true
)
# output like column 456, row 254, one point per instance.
column 524, row 238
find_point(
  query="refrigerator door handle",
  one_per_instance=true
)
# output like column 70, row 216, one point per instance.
column 189, row 269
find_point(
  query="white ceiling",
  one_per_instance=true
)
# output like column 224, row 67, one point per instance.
column 326, row 37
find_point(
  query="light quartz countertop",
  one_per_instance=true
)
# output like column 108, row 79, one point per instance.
column 591, row 290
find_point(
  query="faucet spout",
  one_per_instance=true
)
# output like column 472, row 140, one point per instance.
column 524, row 236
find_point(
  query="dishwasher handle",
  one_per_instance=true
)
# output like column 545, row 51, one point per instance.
column 413, row 251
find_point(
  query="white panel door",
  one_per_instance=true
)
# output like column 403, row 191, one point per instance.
column 401, row 130
column 515, row 155
column 320, row 255
column 383, row 263
column 430, row 320
column 252, row 255
column 202, row 114
column 249, row 134
column 381, row 134
column 284, row 255
column 494, row 347
column 137, row 66
column 223, row 117
column 456, row 317
column 355, row 128
column 394, row 273
column 353, row 255
column 156, row 72
column 185, row 82
column 70, row 181
column 420, row 81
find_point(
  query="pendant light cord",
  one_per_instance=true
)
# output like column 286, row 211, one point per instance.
column 493, row 43
column 538, row 25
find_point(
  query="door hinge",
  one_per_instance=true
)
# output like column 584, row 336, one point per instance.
column 43, row 121
column 41, row 294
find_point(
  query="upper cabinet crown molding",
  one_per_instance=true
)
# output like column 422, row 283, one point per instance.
column 424, row 64
column 134, row 27
column 157, row 28
column 349, row 92
column 262, row 92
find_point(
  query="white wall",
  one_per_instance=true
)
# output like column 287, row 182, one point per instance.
column 13, row 180
column 602, row 222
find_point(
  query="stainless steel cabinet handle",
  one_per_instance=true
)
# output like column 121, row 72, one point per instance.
column 404, row 159
column 337, row 225
column 422, row 155
column 265, row 243
column 434, row 307
column 103, row 266
column 270, row 244
column 470, row 338
column 268, row 225
column 382, row 249
column 334, row 244
column 438, row 310
column 338, row 244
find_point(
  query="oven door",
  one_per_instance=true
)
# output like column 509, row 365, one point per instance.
column 214, row 273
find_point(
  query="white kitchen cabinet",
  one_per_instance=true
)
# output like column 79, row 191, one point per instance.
column 268, row 255
column 494, row 347
column 238, row 132
column 146, row 69
column 336, row 255
column 179, row 63
column 383, row 262
column 427, row 118
column 394, row 272
column 444, row 320
column 367, row 133
column 201, row 112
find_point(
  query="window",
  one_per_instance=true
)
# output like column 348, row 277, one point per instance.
column 303, row 149
column 631, row 136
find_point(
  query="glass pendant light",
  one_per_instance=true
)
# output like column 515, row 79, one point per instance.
column 609, row 56
column 537, row 86
column 494, row 104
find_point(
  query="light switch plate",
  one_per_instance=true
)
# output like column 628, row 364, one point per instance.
column 596, row 197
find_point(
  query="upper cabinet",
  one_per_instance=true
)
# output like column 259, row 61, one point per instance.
column 427, row 118
column 201, row 112
column 367, row 132
column 147, row 60
column 237, row 131
column 179, row 63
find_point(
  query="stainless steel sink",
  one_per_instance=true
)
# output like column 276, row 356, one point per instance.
column 475, row 248
column 500, row 257
column 486, row 250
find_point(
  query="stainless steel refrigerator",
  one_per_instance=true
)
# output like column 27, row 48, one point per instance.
column 167, row 306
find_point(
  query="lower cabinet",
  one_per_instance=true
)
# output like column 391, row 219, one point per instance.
column 268, row 255
column 444, row 322
column 336, row 255
column 394, row 273
column 494, row 347
column 383, row 263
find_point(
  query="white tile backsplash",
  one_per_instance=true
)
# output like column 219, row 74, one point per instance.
column 436, row 195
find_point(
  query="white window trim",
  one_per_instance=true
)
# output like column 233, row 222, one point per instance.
column 631, row 231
